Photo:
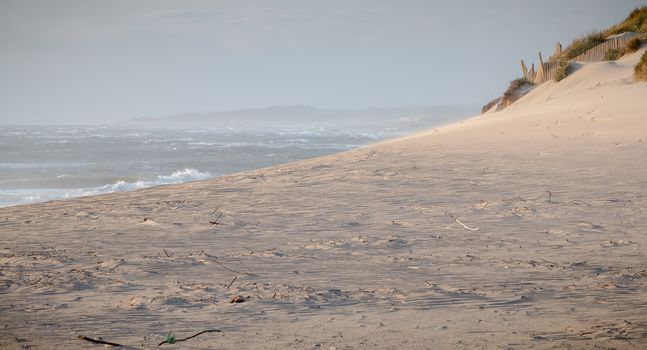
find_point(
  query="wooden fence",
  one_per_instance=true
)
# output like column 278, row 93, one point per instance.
column 599, row 53
column 545, row 71
column 548, row 72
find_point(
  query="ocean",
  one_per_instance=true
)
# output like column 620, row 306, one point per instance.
column 42, row 163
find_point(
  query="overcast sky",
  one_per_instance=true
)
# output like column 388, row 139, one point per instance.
column 70, row 61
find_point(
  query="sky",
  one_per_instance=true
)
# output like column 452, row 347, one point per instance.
column 104, row 61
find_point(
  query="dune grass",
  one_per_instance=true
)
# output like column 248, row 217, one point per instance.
column 640, row 71
column 490, row 104
column 563, row 70
column 612, row 55
column 583, row 44
column 514, row 86
column 633, row 45
column 635, row 22
column 510, row 95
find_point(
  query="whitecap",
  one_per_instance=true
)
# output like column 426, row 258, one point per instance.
column 24, row 196
column 185, row 175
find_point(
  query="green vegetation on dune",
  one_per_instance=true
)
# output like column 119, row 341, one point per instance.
column 563, row 70
column 633, row 45
column 583, row 44
column 490, row 104
column 640, row 71
column 612, row 55
column 517, row 89
column 636, row 22
column 515, row 85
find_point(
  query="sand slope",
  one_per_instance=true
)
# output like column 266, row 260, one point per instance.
column 520, row 229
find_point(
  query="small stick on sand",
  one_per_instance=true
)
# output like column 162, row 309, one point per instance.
column 215, row 222
column 165, row 252
column 232, row 282
column 215, row 259
column 462, row 224
column 193, row 336
column 577, row 201
column 98, row 341
column 550, row 262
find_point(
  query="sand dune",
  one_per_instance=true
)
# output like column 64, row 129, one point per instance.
column 518, row 229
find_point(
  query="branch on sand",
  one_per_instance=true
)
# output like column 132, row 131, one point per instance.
column 98, row 341
column 171, row 339
column 215, row 222
column 232, row 282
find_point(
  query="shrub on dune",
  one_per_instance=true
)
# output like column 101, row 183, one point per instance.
column 563, row 70
column 633, row 45
column 612, row 55
column 515, row 85
column 490, row 104
column 640, row 71
column 636, row 22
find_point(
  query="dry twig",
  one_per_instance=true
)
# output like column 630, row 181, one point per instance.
column 462, row 224
column 215, row 259
column 215, row 222
column 232, row 282
column 98, row 341
column 193, row 336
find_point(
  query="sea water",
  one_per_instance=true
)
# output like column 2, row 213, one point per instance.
column 42, row 163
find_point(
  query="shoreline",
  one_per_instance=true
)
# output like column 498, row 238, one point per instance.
column 375, row 142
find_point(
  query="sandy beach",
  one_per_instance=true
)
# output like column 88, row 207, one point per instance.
column 520, row 229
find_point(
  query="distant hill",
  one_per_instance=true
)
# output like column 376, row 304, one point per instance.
column 301, row 116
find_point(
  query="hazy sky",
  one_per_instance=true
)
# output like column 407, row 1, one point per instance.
column 111, row 60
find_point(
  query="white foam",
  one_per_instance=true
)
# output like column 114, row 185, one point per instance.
column 24, row 196
column 185, row 175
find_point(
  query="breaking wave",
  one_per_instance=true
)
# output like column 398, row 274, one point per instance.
column 23, row 196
